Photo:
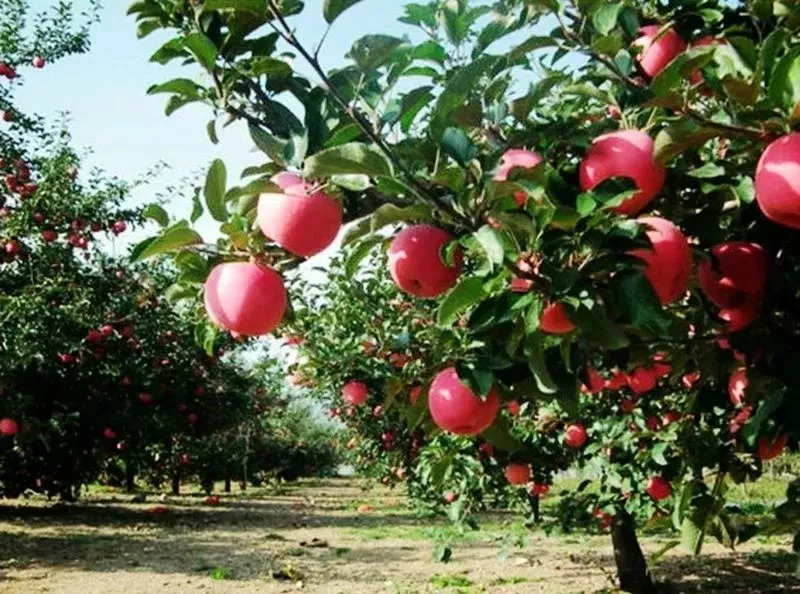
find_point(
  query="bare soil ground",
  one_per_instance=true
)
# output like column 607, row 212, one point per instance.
column 263, row 541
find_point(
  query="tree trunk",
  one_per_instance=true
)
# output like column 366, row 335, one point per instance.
column 632, row 569
column 176, row 482
column 130, row 478
column 533, row 500
column 227, row 484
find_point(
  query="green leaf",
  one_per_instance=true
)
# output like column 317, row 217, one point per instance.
column 529, row 45
column 492, row 243
column 331, row 9
column 466, row 294
column 499, row 435
column 675, row 139
column 372, row 51
column 202, row 48
column 784, row 89
column 214, row 190
column 638, row 304
column 605, row 17
column 387, row 214
column 358, row 253
column 657, row 453
column 595, row 326
column 257, row 7
column 350, row 158
column 707, row 171
column 534, row 350
column 156, row 213
column 680, row 68
column 175, row 237
column 458, row 145
column 211, row 129
column 275, row 149
column 179, row 86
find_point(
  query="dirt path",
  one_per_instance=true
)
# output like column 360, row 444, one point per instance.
column 260, row 543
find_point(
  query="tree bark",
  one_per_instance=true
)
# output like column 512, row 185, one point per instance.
column 130, row 478
column 176, row 482
column 634, row 577
column 227, row 484
column 533, row 500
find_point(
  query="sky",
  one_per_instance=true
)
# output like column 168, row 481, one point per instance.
column 104, row 92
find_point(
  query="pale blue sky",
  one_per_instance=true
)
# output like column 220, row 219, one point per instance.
column 105, row 93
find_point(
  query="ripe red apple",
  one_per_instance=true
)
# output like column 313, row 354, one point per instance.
column 769, row 449
column 554, row 320
column 575, row 435
column 355, row 393
column 8, row 116
column 416, row 264
column 653, row 423
column 38, row 62
column 301, row 220
column 107, row 330
column 628, row 154
column 740, row 418
column 8, row 427
column 539, row 489
column 513, row 408
column 642, row 380
column 627, row 405
column 48, row 235
column 690, row 379
column 119, row 227
column 449, row 497
column 184, row 460
column 192, row 418
column 414, row 394
column 7, row 71
column 377, row 411
column 514, row 158
column 658, row 50
column 13, row 247
column 520, row 285
column 66, row 358
column 486, row 449
column 737, row 386
column 671, row 416
column 109, row 433
column 145, row 398
column 658, row 488
column 778, row 181
column 245, row 297
column 286, row 179
column 127, row 331
column 669, row 262
column 94, row 336
column 595, row 382
column 456, row 408
column 199, row 391
column 518, row 474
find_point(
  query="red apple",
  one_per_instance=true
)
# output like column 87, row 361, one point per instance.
column 13, row 247
column 769, row 449
column 145, row 398
column 416, row 264
column 642, row 380
column 671, row 416
column 107, row 330
column 94, row 337
column 456, row 408
column 122, row 445
column 628, row 154
column 669, row 262
column 49, row 236
column 38, row 62
column 245, row 297
column 377, row 411
column 512, row 159
column 737, row 386
column 513, row 408
column 66, row 358
column 575, row 435
column 778, row 181
column 300, row 220
column 414, row 394
column 8, row 427
column 355, row 393
column 520, row 285
column 658, row 488
column 184, row 460
column 119, row 227
column 627, row 405
column 554, row 320
column 486, row 449
column 539, row 489
column 617, row 381
column 109, row 433
column 518, row 474
column 286, row 179
column 658, row 50
column 595, row 381
column 449, row 496
column 192, row 418
column 690, row 379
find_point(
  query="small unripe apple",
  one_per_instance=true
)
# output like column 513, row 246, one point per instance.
column 554, row 320
column 416, row 263
column 778, row 181
column 456, row 408
column 658, row 488
column 658, row 50
column 575, row 435
column 669, row 262
column 8, row 427
column 245, row 297
column 355, row 393
column 626, row 154
column 518, row 474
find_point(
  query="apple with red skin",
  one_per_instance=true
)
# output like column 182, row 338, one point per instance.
column 38, row 62
column 486, row 449
column 658, row 488
column 669, row 262
column 66, row 358
column 119, row 227
column 245, row 297
column 740, row 418
column 49, row 236
column 145, row 398
column 778, row 181
column 671, row 416
column 416, row 263
column 575, row 435
column 554, row 320
column 628, row 154
column 94, row 336
column 539, row 489
column 520, row 285
column 184, row 460
column 449, row 497
column 658, row 50
column 377, row 411
column 302, row 220
column 127, row 331
column 690, row 379
column 771, row 448
column 192, row 418
column 7, row 71
column 457, row 409
column 513, row 408
column 122, row 445
column 107, row 330
column 414, row 394
column 355, row 393
column 737, row 386
column 13, row 247
column 8, row 427
column 518, row 474
column 109, row 433
column 512, row 159
column 627, row 405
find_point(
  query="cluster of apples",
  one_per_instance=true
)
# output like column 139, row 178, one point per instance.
column 249, row 298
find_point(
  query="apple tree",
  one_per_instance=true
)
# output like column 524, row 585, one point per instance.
column 607, row 190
